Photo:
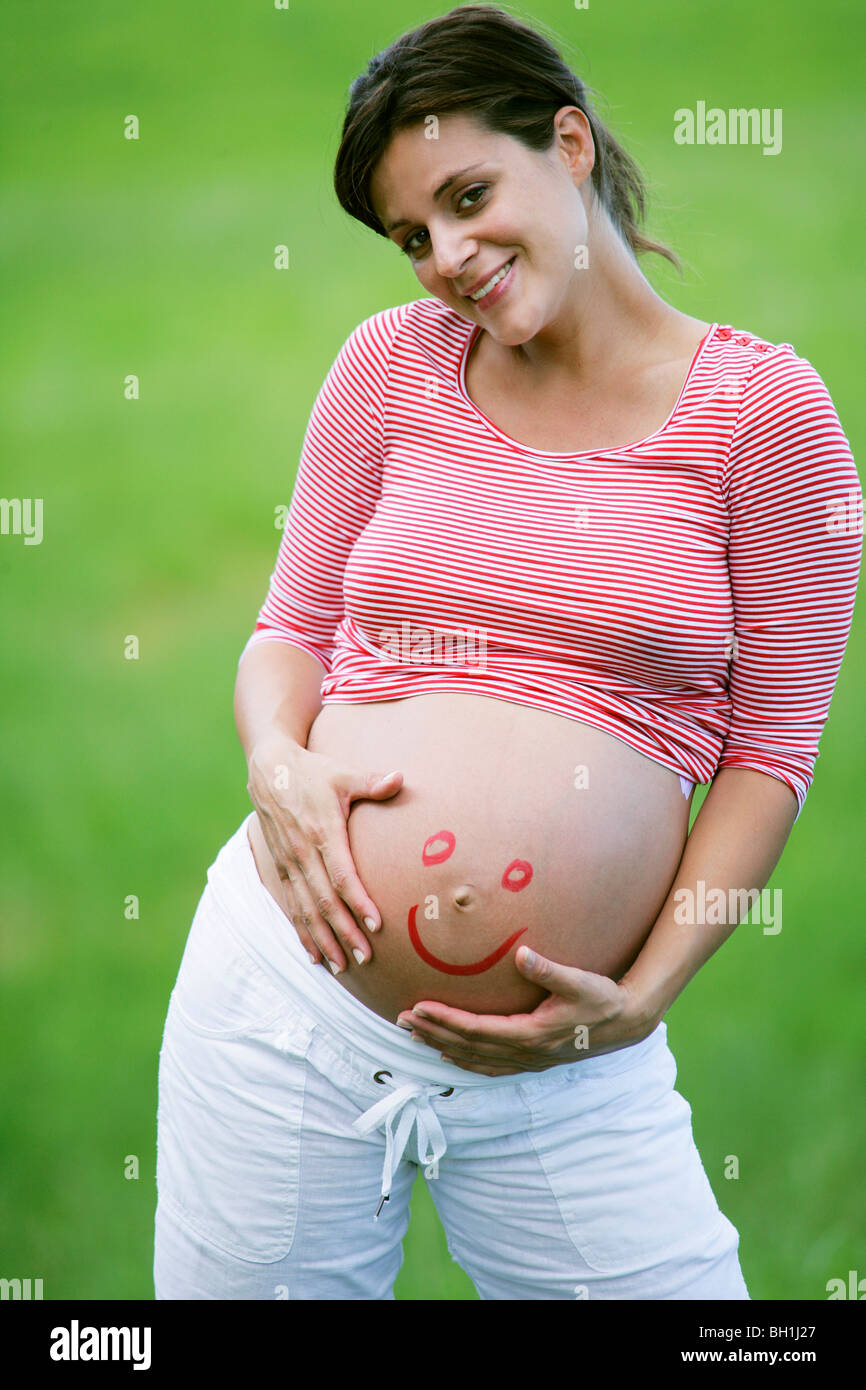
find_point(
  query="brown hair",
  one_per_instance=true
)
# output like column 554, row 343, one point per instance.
column 481, row 59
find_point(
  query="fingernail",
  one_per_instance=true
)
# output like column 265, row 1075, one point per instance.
column 312, row 958
column 370, row 924
column 529, row 957
column 333, row 967
column 358, row 954
column 401, row 1023
column 419, row 1013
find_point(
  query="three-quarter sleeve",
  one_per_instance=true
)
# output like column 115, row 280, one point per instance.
column 795, row 508
column 336, row 490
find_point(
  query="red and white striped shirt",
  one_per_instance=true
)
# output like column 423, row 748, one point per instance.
column 690, row 593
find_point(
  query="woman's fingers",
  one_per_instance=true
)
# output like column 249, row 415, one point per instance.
column 321, row 919
column 497, row 1049
column 330, row 909
column 293, row 912
column 446, row 1037
column 310, row 922
column 348, row 785
column 582, row 998
column 462, row 1027
column 494, row 1060
column 565, row 981
column 492, row 1063
column 336, row 855
column 309, row 843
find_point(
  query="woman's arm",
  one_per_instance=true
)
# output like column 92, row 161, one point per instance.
column 735, row 843
column 303, row 799
column 277, row 693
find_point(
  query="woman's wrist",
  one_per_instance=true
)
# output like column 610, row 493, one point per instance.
column 650, row 1000
column 273, row 757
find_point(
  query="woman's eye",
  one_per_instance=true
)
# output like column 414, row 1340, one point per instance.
column 409, row 249
column 478, row 188
column 407, row 246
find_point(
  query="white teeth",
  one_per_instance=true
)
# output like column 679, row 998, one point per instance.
column 494, row 280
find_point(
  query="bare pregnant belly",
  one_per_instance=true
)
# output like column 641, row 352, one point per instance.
column 514, row 826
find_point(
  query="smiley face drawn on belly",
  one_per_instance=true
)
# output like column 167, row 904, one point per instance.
column 436, row 850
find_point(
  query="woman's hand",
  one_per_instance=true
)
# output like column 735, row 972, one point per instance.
column 303, row 801
column 584, row 1014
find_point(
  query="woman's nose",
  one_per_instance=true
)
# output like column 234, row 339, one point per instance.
column 452, row 253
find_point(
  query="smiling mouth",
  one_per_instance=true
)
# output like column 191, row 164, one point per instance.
column 484, row 290
column 474, row 968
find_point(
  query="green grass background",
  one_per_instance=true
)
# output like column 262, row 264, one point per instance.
column 156, row 257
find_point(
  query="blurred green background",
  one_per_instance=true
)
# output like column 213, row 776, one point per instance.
column 155, row 257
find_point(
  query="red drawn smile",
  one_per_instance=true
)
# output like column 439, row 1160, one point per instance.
column 475, row 968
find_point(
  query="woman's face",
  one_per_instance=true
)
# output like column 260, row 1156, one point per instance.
column 469, row 201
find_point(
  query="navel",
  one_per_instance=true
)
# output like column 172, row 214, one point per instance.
column 464, row 897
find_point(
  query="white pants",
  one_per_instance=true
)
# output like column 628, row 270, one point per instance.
column 289, row 1112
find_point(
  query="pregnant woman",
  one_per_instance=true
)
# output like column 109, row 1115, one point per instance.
column 556, row 552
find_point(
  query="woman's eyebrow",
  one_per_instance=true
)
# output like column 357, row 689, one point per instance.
column 452, row 178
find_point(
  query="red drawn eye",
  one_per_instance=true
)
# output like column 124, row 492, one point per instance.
column 517, row 875
column 438, row 847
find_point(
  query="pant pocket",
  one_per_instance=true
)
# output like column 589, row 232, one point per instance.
column 626, row 1174
column 232, row 1081
column 220, row 991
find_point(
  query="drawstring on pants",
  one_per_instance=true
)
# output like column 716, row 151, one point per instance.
column 406, row 1107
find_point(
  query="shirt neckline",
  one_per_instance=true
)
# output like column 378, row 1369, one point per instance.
column 582, row 453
